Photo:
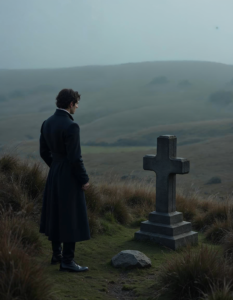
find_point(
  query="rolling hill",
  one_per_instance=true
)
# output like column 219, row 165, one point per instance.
column 119, row 101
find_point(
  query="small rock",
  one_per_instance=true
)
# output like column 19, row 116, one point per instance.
column 131, row 259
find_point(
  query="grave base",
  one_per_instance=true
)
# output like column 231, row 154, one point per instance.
column 168, row 230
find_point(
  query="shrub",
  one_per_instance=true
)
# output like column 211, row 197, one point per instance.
column 191, row 273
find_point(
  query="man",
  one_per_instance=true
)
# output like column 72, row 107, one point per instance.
column 64, row 214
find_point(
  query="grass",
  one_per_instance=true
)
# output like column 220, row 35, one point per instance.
column 217, row 231
column 192, row 272
column 102, row 278
column 99, row 149
column 116, row 93
column 20, row 276
column 219, row 292
column 115, row 210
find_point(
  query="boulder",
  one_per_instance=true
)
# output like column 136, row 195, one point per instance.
column 131, row 259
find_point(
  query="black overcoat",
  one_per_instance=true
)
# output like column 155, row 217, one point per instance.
column 64, row 214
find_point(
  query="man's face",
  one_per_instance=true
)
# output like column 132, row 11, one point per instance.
column 73, row 107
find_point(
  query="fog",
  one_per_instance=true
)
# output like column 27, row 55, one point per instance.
column 67, row 33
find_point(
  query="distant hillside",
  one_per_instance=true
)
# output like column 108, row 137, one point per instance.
column 117, row 101
column 186, row 133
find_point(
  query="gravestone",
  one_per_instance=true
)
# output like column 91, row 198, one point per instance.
column 165, row 225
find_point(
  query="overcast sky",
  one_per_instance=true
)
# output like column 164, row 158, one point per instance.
column 67, row 33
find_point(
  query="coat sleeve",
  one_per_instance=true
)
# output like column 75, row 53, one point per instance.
column 45, row 152
column 73, row 150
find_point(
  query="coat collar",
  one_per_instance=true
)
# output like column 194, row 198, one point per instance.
column 60, row 112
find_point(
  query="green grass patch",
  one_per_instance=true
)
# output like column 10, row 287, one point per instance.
column 102, row 279
column 100, row 149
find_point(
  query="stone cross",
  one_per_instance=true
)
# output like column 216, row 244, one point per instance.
column 165, row 225
column 166, row 165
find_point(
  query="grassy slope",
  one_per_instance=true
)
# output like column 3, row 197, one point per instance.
column 116, row 100
column 117, row 103
column 102, row 281
column 207, row 159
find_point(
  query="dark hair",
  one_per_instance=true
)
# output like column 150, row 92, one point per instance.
column 65, row 97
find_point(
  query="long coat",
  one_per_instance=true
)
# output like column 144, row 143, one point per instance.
column 64, row 214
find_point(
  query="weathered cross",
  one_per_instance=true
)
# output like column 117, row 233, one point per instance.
column 166, row 165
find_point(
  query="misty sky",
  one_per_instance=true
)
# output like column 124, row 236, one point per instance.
column 67, row 33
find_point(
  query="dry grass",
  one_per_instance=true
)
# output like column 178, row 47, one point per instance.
column 25, row 231
column 227, row 242
column 192, row 273
column 220, row 292
column 20, row 276
column 21, row 185
column 110, row 201
column 21, row 188
column 126, row 202
column 187, row 205
column 216, row 232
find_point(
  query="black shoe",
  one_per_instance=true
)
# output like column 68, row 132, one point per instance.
column 72, row 267
column 56, row 259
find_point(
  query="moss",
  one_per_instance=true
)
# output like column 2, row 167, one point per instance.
column 128, row 287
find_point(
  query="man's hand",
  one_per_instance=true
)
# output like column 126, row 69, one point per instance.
column 85, row 186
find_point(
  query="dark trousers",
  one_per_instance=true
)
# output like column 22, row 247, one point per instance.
column 68, row 250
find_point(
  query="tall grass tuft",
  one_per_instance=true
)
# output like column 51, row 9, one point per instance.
column 20, row 276
column 187, row 205
column 8, row 163
column 127, row 200
column 94, row 223
column 217, row 231
column 23, row 230
column 21, row 185
column 219, row 292
column 118, row 208
column 227, row 243
column 192, row 272
column 218, row 211
column 93, row 199
column 12, row 195
column 31, row 178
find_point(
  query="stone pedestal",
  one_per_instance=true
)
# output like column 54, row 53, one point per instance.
column 167, row 229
